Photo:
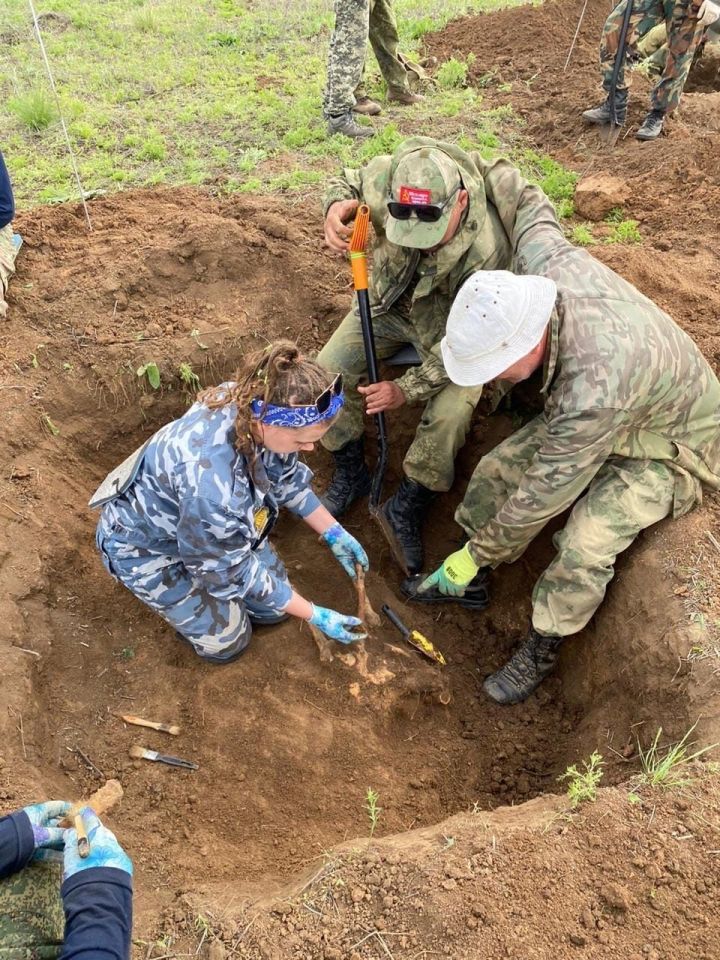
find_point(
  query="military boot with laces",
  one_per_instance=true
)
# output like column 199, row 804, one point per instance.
column 350, row 481
column 348, row 127
column 402, row 517
column 652, row 126
column 534, row 659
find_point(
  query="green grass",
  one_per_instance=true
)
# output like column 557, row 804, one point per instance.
column 626, row 232
column 557, row 181
column 583, row 781
column 582, row 235
column 669, row 766
column 215, row 92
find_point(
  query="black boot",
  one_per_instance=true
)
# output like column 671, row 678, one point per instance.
column 652, row 126
column 529, row 665
column 603, row 115
column 351, row 479
column 403, row 514
column 476, row 596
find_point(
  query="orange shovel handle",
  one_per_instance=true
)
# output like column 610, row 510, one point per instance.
column 358, row 243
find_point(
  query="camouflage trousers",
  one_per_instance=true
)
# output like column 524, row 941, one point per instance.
column 625, row 497
column 8, row 253
column 355, row 22
column 446, row 418
column 684, row 34
column 32, row 922
column 218, row 629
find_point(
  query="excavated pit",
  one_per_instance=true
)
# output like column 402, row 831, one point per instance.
column 287, row 745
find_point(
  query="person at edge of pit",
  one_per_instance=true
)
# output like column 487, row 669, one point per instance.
column 629, row 433
column 687, row 22
column 437, row 215
column 356, row 21
column 10, row 242
column 185, row 519
column 55, row 903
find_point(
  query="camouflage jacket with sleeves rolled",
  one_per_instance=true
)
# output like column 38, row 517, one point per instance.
column 621, row 380
column 196, row 499
column 482, row 243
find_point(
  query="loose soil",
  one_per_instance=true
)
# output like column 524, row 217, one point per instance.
column 288, row 742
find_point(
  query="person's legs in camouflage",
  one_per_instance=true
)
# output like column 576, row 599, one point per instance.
column 9, row 247
column 429, row 469
column 646, row 14
column 346, row 58
column 625, row 497
column 685, row 32
column 384, row 40
column 32, row 920
column 652, row 41
column 345, row 353
column 218, row 629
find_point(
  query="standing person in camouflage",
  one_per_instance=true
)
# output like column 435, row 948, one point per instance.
column 186, row 518
column 9, row 242
column 631, row 426
column 686, row 22
column 355, row 22
column 437, row 214
column 53, row 903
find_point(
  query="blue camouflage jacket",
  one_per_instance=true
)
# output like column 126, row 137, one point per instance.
column 194, row 500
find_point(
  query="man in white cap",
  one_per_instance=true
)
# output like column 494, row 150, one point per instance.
column 630, row 429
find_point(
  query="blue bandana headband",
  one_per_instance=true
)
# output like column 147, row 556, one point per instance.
column 277, row 416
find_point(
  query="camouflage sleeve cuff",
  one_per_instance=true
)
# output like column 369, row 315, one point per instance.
column 339, row 189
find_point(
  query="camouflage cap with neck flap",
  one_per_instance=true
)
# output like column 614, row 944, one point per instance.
column 425, row 176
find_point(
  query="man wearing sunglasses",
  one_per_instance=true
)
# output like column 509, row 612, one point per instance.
column 437, row 216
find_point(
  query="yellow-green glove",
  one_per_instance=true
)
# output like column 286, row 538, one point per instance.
column 453, row 576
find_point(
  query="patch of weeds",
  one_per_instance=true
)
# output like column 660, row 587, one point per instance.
column 151, row 372
column 557, row 181
column 35, row 109
column 485, row 79
column 583, row 783
column 153, row 148
column 418, row 28
column 301, row 136
column 668, row 767
column 50, row 426
column 452, row 74
column 582, row 235
column 626, row 232
column 127, row 653
column 385, row 141
column 189, row 378
column 616, row 215
column 372, row 809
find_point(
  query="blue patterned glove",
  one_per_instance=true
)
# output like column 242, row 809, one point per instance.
column 335, row 625
column 348, row 551
column 43, row 819
column 105, row 851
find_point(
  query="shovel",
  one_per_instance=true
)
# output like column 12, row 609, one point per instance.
column 358, row 263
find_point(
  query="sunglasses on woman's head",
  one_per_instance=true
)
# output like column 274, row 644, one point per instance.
column 425, row 212
column 326, row 397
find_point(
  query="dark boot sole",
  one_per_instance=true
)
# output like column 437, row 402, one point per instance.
column 469, row 602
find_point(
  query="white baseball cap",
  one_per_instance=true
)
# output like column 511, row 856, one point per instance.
column 496, row 319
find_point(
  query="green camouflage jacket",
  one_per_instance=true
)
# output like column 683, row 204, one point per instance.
column 621, row 380
column 481, row 243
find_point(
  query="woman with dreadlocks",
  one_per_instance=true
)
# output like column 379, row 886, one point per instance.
column 185, row 519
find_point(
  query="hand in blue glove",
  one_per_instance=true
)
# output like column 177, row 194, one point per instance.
column 335, row 625
column 348, row 551
column 105, row 851
column 43, row 819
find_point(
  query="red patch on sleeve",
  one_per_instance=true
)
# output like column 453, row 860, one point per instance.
column 415, row 195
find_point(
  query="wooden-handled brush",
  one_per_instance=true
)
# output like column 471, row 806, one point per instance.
column 172, row 728
column 140, row 753
column 101, row 801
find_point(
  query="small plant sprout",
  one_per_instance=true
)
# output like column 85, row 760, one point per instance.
column 452, row 73
column 36, row 109
column 583, row 783
column 189, row 378
column 47, row 422
column 372, row 808
column 625, row 232
column 150, row 370
column 669, row 767
column 195, row 334
column 582, row 235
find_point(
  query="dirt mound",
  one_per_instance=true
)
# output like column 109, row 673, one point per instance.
column 675, row 182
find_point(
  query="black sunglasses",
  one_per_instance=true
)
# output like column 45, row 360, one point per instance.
column 326, row 397
column 425, row 212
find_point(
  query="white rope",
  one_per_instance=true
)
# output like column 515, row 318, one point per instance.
column 60, row 113
column 572, row 45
